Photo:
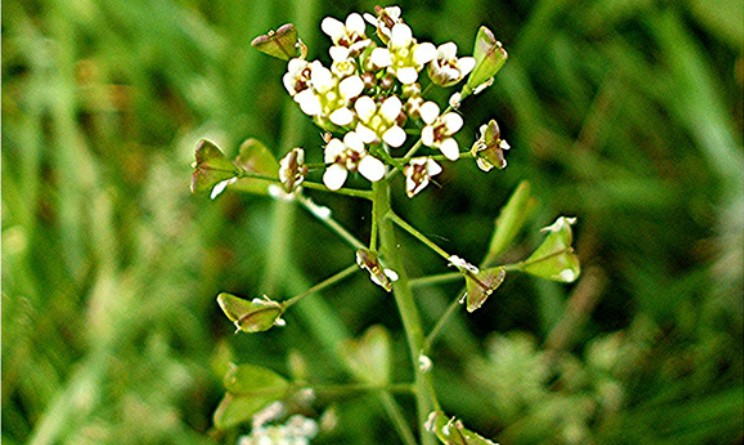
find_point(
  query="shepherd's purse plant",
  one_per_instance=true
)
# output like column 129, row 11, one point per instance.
column 379, row 120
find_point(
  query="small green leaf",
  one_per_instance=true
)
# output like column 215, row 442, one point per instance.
column 255, row 380
column 451, row 431
column 282, row 43
column 234, row 410
column 481, row 285
column 257, row 315
column 511, row 219
column 210, row 168
column 369, row 357
column 255, row 158
column 489, row 55
column 555, row 259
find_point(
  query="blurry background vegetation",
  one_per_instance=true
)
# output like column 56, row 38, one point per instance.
column 627, row 114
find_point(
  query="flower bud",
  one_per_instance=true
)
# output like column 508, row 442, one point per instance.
column 292, row 169
column 488, row 149
column 368, row 260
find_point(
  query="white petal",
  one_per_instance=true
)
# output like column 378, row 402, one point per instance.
column 322, row 78
column 309, row 102
column 504, row 145
column 452, row 122
column 427, row 136
column 289, row 83
column 401, row 36
column 381, row 57
column 351, row 87
column 391, row 274
column 447, row 51
column 342, row 117
column 424, row 53
column 371, row 19
column 407, row 75
column 365, row 108
column 390, row 108
column 429, row 111
column 450, row 149
column 334, row 148
column 432, row 167
column 394, row 136
column 371, row 168
column 335, row 176
column 455, row 100
column 567, row 275
column 366, row 134
column 354, row 142
column 220, row 187
column 339, row 53
column 355, row 23
column 466, row 65
column 332, row 27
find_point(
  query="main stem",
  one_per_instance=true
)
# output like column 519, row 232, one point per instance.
column 406, row 306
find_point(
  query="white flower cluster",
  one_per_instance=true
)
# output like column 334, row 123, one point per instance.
column 297, row 430
column 371, row 91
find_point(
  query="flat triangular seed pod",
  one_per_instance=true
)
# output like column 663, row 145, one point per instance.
column 481, row 285
column 281, row 43
column 210, row 168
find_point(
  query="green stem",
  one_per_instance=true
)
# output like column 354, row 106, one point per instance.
column 349, row 388
column 429, row 341
column 406, row 306
column 418, row 235
column 335, row 278
column 397, row 417
column 320, row 213
column 431, row 280
column 354, row 193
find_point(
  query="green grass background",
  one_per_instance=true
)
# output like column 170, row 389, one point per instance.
column 627, row 114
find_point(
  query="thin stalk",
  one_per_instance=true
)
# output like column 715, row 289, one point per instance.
column 330, row 281
column 354, row 193
column 397, row 417
column 320, row 214
column 432, row 280
column 406, row 305
column 351, row 388
column 429, row 340
column 418, row 235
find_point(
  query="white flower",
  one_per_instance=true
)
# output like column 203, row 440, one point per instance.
column 297, row 77
column 349, row 155
column 330, row 97
column 385, row 20
column 446, row 69
column 418, row 174
column 348, row 35
column 380, row 122
column 297, row 430
column 439, row 130
column 407, row 56
column 343, row 64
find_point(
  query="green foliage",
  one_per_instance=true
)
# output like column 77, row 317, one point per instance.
column 626, row 114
